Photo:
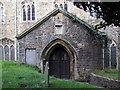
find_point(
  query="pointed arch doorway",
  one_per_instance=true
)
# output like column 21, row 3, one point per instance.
column 61, row 57
column 59, row 63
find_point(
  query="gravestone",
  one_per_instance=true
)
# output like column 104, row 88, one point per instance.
column 46, row 75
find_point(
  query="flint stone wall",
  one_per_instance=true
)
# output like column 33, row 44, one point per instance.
column 103, row 81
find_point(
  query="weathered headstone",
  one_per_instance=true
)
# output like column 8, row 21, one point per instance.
column 46, row 75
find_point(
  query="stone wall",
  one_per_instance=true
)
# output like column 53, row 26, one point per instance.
column 7, row 28
column 14, row 25
column 13, row 16
column 87, row 50
column 103, row 81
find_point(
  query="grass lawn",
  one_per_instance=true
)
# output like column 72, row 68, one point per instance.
column 16, row 75
column 110, row 73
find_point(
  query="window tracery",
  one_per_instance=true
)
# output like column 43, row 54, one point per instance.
column 110, row 55
column 7, row 50
column 28, row 10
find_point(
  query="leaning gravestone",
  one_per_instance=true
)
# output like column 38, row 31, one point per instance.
column 46, row 75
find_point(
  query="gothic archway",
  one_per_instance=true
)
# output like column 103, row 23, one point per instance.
column 59, row 62
column 61, row 58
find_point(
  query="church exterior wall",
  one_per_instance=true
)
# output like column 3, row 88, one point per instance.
column 88, row 51
column 7, row 27
column 13, row 25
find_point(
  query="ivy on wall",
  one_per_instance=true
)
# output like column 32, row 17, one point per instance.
column 101, row 25
column 100, row 36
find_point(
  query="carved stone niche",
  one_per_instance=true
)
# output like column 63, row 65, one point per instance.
column 59, row 24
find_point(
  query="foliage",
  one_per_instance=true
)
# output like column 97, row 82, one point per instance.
column 93, row 31
column 16, row 75
column 108, row 11
column 110, row 73
column 101, row 25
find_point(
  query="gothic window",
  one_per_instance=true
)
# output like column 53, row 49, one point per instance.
column 106, row 57
column 61, row 6
column 110, row 56
column 56, row 6
column 24, row 13
column 28, row 12
column 113, row 56
column 65, row 7
column 4, row 42
column 6, row 52
column 33, row 12
column 7, row 42
column 12, row 53
column 1, row 53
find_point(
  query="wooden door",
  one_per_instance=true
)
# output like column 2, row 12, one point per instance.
column 59, row 63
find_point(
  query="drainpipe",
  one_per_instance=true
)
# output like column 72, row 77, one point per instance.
column 15, row 29
column 119, row 49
